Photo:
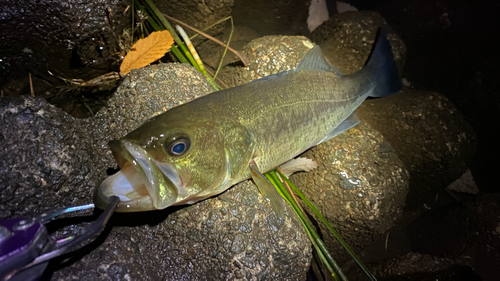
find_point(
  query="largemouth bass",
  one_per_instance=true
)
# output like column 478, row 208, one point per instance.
column 202, row 148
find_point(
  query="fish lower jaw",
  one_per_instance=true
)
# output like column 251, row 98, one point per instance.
column 191, row 200
column 133, row 197
column 135, row 205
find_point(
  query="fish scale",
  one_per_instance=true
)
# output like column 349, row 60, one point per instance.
column 305, row 106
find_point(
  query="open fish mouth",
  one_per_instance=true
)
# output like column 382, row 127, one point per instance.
column 142, row 184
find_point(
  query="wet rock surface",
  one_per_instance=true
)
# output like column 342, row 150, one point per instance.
column 268, row 55
column 62, row 36
column 347, row 39
column 45, row 160
column 230, row 236
column 415, row 266
column 360, row 187
column 429, row 134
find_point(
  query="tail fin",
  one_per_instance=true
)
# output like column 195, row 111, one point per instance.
column 381, row 64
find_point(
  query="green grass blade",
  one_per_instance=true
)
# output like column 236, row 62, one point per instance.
column 150, row 19
column 225, row 49
column 158, row 15
column 332, row 230
column 196, row 57
column 178, row 54
column 327, row 259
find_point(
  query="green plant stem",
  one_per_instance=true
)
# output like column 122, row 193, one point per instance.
column 196, row 56
column 152, row 20
column 328, row 259
column 178, row 54
column 176, row 37
column 320, row 253
column 225, row 49
column 327, row 224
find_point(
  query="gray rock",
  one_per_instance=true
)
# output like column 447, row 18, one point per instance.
column 227, row 237
column 347, row 39
column 268, row 55
column 429, row 135
column 45, row 160
column 465, row 184
column 231, row 236
column 50, row 34
column 360, row 187
column 416, row 266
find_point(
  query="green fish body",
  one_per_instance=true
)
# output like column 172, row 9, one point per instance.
column 201, row 148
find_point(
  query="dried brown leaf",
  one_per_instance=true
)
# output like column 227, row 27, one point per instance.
column 147, row 50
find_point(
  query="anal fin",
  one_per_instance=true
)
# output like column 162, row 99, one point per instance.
column 267, row 190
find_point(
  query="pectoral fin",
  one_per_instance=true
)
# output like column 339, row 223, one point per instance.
column 267, row 190
column 300, row 164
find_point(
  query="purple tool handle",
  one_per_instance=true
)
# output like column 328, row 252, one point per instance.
column 21, row 241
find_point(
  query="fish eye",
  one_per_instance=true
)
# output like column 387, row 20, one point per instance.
column 178, row 146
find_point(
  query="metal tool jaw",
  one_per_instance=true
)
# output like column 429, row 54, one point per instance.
column 26, row 247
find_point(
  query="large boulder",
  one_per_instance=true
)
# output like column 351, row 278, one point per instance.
column 360, row 187
column 45, row 158
column 234, row 235
column 61, row 36
column 426, row 130
column 347, row 39
column 430, row 136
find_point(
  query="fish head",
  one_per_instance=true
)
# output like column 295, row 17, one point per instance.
column 173, row 159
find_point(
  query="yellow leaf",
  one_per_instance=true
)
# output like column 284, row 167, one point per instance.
column 147, row 50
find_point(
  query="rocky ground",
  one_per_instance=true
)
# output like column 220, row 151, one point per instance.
column 419, row 141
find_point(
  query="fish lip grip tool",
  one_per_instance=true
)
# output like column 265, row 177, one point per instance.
column 26, row 247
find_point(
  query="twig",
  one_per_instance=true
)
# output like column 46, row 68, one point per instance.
column 218, row 79
column 107, row 78
column 109, row 15
column 387, row 240
column 242, row 57
column 210, row 26
column 31, row 86
column 88, row 107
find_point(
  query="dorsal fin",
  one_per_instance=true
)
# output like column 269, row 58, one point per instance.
column 314, row 60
